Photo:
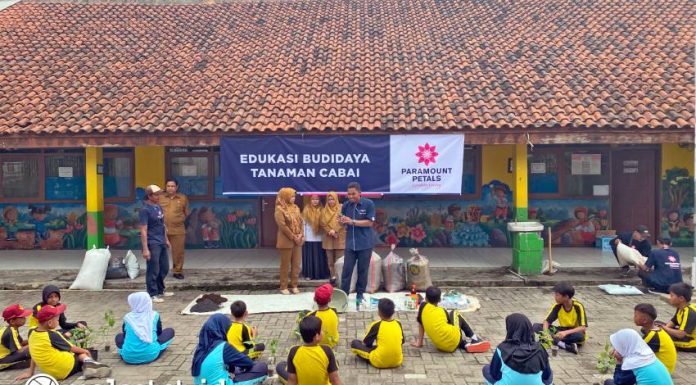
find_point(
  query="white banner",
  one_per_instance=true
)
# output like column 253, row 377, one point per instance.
column 426, row 164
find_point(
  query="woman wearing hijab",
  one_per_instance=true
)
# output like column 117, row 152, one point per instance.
column 314, row 264
column 290, row 238
column 215, row 361
column 334, row 234
column 634, row 355
column 519, row 360
column 143, row 339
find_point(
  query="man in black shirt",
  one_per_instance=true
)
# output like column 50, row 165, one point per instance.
column 638, row 239
column 666, row 267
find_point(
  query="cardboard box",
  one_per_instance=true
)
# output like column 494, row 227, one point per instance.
column 605, row 233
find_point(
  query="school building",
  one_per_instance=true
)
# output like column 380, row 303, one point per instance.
column 578, row 115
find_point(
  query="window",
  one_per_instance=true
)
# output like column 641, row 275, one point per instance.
column 471, row 166
column 581, row 172
column 19, row 178
column 543, row 173
column 192, row 174
column 65, row 177
column 118, row 175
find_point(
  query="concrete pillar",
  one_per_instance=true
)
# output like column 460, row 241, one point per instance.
column 94, row 176
column 520, row 188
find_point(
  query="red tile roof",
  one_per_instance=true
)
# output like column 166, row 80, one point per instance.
column 347, row 65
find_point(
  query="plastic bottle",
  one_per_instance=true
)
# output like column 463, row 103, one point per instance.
column 414, row 296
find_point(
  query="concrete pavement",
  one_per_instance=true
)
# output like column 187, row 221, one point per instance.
column 605, row 313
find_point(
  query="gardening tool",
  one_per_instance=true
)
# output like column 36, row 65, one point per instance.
column 549, row 271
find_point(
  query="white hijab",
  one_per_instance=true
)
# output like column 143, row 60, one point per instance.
column 635, row 352
column 141, row 318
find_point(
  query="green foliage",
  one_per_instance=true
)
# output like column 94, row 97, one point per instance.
column 677, row 189
column 545, row 337
column 606, row 360
column 83, row 337
column 110, row 322
column 300, row 315
column 273, row 346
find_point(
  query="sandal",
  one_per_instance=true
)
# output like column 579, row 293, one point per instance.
column 284, row 292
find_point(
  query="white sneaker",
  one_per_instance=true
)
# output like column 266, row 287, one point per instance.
column 157, row 299
column 168, row 294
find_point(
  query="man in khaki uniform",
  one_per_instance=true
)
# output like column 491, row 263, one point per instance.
column 175, row 207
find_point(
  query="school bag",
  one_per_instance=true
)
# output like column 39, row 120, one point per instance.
column 418, row 271
column 393, row 272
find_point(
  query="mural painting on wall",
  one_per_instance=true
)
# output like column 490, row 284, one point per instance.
column 447, row 223
column 42, row 226
column 572, row 222
column 229, row 225
column 677, row 214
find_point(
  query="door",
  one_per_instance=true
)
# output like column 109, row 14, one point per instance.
column 269, row 229
column 634, row 189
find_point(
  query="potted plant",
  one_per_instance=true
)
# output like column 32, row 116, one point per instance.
column 545, row 338
column 606, row 360
column 110, row 322
column 273, row 348
column 84, row 338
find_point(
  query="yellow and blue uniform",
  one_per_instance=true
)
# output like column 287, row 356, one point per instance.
column 329, row 325
column 10, row 348
column 311, row 365
column 52, row 353
column 445, row 335
column 661, row 343
column 569, row 319
column 685, row 320
column 239, row 336
column 382, row 344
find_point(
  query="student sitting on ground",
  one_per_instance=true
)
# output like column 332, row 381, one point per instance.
column 215, row 360
column 241, row 335
column 311, row 363
column 665, row 265
column 634, row 355
column 682, row 327
column 519, row 360
column 445, row 329
column 572, row 321
column 14, row 351
column 658, row 340
column 51, row 296
column 143, row 340
column 327, row 315
column 55, row 355
column 381, row 346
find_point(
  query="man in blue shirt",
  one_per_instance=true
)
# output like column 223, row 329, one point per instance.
column 357, row 214
column 666, row 265
column 153, row 236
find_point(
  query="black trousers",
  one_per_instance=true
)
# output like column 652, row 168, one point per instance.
column 16, row 360
column 166, row 335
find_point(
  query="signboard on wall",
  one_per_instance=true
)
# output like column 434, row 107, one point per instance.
column 586, row 164
column 397, row 164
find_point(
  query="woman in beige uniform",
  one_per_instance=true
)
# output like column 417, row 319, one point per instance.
column 334, row 235
column 290, row 238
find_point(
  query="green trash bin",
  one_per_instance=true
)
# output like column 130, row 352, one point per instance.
column 527, row 247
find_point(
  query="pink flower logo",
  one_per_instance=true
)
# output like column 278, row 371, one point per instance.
column 426, row 154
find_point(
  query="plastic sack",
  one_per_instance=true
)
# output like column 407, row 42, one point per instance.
column 374, row 274
column 620, row 289
column 418, row 271
column 93, row 270
column 629, row 256
column 132, row 265
column 116, row 269
column 393, row 272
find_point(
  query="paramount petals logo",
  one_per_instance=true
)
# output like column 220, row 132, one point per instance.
column 427, row 154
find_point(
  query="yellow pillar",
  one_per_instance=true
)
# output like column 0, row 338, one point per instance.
column 149, row 166
column 520, row 189
column 95, row 196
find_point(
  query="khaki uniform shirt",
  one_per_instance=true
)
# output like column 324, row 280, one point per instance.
column 175, row 212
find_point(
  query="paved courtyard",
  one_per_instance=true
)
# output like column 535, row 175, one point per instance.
column 421, row 366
